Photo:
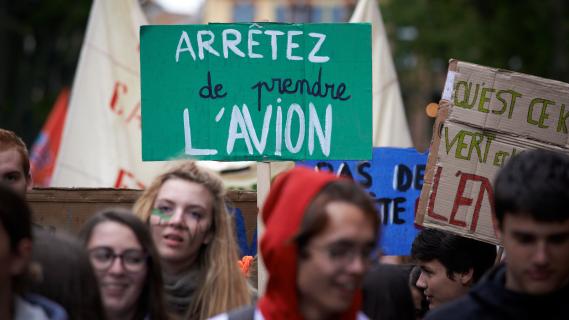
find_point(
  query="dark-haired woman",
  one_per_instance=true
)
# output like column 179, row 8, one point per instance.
column 127, row 265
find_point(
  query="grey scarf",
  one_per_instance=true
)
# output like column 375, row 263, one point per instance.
column 179, row 290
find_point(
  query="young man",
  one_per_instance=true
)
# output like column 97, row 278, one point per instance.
column 15, row 252
column 532, row 209
column 450, row 264
column 14, row 163
column 318, row 242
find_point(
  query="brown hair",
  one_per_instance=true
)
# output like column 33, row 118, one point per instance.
column 224, row 287
column 66, row 275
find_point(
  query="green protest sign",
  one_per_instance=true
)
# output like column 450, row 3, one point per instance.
column 253, row 91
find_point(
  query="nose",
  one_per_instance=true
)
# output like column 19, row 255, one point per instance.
column 421, row 281
column 116, row 266
column 540, row 256
column 358, row 264
column 178, row 216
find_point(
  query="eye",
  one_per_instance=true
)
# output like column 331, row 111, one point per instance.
column 134, row 257
column 165, row 209
column 558, row 238
column 12, row 177
column 102, row 254
column 196, row 214
column 163, row 212
column 338, row 251
column 426, row 271
column 524, row 239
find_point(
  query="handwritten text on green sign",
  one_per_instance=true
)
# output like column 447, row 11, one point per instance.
column 256, row 91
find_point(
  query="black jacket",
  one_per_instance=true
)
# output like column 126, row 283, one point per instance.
column 490, row 299
column 386, row 293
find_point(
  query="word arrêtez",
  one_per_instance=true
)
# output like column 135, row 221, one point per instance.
column 231, row 39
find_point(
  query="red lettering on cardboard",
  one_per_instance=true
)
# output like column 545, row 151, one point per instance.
column 430, row 212
column 460, row 200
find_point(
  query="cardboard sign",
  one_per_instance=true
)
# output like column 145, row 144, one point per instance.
column 256, row 91
column 486, row 116
column 394, row 178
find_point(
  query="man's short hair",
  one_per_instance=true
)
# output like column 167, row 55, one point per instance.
column 9, row 140
column 457, row 254
column 534, row 183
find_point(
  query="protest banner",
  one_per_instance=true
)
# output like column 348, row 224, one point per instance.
column 393, row 178
column 256, row 91
column 100, row 144
column 486, row 116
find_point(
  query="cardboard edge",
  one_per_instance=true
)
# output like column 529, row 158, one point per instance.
column 424, row 198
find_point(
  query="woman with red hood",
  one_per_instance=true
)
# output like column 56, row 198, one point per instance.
column 319, row 238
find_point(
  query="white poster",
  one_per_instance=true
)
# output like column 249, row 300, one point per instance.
column 101, row 143
column 390, row 128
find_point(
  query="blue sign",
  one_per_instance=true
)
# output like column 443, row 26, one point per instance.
column 393, row 178
column 246, row 248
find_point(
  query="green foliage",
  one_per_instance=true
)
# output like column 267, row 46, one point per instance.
column 520, row 35
column 526, row 36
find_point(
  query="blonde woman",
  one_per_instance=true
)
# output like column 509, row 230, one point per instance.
column 185, row 208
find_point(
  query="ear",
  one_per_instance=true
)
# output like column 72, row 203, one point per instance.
column 466, row 278
column 20, row 259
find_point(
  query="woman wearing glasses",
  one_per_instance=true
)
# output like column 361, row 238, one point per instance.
column 320, row 235
column 126, row 264
column 185, row 208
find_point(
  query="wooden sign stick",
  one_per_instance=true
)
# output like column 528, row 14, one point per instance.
column 263, row 187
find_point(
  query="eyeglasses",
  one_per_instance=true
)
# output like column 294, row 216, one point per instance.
column 132, row 260
column 343, row 253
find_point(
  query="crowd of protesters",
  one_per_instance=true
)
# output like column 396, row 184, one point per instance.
column 175, row 256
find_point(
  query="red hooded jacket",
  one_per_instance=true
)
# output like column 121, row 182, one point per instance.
column 290, row 196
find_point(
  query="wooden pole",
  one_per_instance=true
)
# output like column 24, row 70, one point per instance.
column 263, row 187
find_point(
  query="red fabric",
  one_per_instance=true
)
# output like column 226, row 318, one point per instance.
column 45, row 148
column 284, row 208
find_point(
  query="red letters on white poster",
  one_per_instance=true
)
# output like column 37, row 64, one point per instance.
column 101, row 145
